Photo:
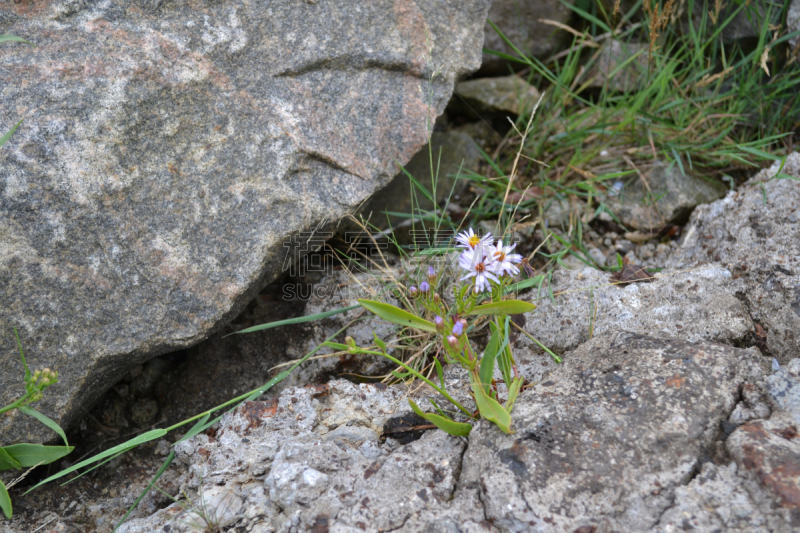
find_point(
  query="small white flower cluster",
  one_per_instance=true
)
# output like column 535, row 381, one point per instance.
column 484, row 260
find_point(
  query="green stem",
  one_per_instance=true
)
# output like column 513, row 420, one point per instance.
column 421, row 377
column 542, row 346
column 16, row 404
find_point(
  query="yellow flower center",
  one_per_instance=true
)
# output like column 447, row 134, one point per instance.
column 479, row 267
column 474, row 240
column 500, row 255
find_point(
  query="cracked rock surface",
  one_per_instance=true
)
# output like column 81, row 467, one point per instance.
column 171, row 150
column 608, row 438
column 619, row 438
column 313, row 459
column 755, row 234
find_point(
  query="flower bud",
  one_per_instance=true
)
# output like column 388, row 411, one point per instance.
column 452, row 341
column 458, row 329
column 439, row 322
column 413, row 291
column 436, row 297
column 424, row 287
column 351, row 343
column 431, row 275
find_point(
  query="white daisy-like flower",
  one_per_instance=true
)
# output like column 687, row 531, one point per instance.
column 470, row 240
column 478, row 264
column 503, row 260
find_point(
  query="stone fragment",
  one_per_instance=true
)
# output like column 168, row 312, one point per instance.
column 604, row 444
column 663, row 195
column 489, row 98
column 784, row 389
column 755, row 234
column 768, row 455
column 170, row 153
column 522, row 23
column 692, row 305
column 716, row 500
column 609, row 72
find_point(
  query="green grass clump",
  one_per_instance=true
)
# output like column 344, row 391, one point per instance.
column 716, row 110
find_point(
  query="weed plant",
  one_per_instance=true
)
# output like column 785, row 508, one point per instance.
column 26, row 455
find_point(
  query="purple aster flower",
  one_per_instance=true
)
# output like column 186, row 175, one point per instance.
column 503, row 260
column 479, row 265
column 424, row 287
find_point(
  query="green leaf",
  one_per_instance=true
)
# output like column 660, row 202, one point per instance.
column 379, row 343
column 439, row 372
column 44, row 420
column 448, row 425
column 8, row 135
column 513, row 392
column 127, row 445
column 336, row 346
column 33, row 454
column 524, row 284
column 298, row 320
column 506, row 307
column 7, row 462
column 5, row 501
column 487, row 361
column 396, row 315
column 491, row 410
column 14, row 38
column 400, row 375
column 504, row 359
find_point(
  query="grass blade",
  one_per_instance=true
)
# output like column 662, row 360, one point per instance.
column 125, row 446
column 298, row 320
column 14, row 38
column 161, row 470
column 8, row 135
column 505, row 307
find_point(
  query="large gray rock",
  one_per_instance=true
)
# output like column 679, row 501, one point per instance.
column 661, row 195
column 755, row 234
column 605, row 442
column 170, row 150
column 487, row 98
column 693, row 305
